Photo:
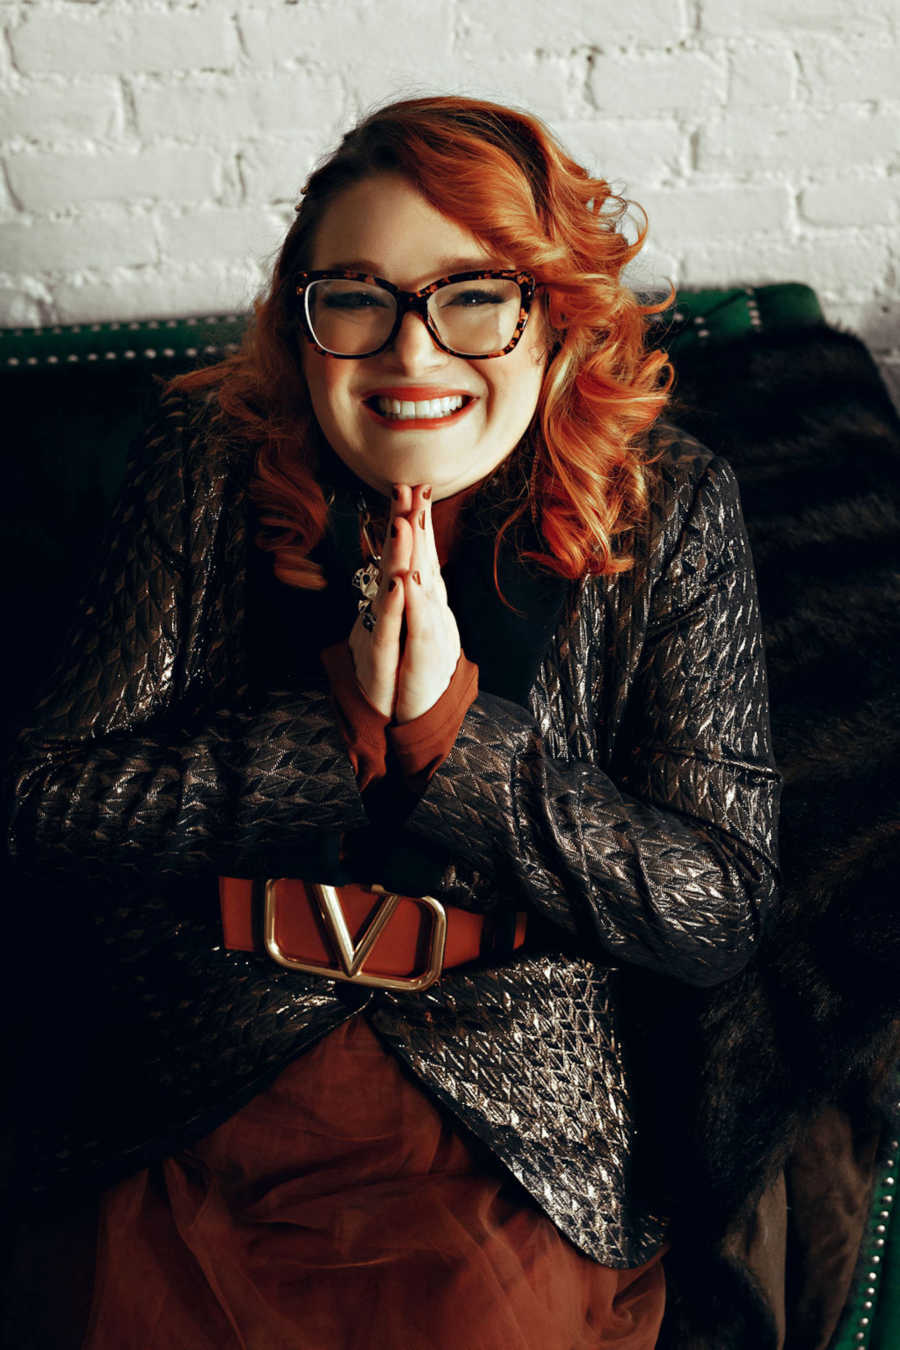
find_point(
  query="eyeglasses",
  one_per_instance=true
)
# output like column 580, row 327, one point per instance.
column 478, row 315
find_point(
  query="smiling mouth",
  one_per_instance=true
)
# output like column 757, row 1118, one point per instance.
column 404, row 409
column 395, row 411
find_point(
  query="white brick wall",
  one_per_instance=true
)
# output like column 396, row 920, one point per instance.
column 152, row 149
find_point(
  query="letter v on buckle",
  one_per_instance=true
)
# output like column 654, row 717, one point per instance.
column 352, row 956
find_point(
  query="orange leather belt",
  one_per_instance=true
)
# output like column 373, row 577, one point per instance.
column 362, row 934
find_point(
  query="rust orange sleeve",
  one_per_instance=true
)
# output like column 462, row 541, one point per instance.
column 361, row 724
column 418, row 746
column 421, row 745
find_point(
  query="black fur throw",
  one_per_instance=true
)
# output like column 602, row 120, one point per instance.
column 807, row 424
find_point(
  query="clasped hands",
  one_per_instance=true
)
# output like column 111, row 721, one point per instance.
column 403, row 673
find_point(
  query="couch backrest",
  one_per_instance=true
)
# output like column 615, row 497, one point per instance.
column 78, row 396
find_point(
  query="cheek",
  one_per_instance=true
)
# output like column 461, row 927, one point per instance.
column 327, row 383
column 517, row 392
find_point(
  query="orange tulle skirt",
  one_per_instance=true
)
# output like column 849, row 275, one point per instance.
column 340, row 1210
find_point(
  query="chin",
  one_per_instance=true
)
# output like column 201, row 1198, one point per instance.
column 390, row 465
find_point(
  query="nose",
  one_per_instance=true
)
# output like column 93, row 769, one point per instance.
column 413, row 347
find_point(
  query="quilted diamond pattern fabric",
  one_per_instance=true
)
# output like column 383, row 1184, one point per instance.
column 149, row 752
column 630, row 808
column 655, row 842
column 537, row 1040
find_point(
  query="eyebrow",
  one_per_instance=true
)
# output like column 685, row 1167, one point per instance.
column 443, row 266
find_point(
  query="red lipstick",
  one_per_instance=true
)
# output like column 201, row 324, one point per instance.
column 416, row 393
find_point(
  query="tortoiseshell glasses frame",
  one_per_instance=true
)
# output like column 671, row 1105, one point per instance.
column 417, row 302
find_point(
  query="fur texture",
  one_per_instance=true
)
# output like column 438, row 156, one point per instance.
column 807, row 424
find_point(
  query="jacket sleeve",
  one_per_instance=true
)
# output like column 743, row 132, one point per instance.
column 669, row 863
column 145, row 755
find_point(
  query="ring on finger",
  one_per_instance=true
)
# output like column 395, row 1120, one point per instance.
column 367, row 580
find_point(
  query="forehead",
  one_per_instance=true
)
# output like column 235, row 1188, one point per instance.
column 384, row 225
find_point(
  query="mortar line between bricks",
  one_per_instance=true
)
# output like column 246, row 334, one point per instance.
column 14, row 198
column 10, row 51
column 129, row 109
column 241, row 37
column 718, row 151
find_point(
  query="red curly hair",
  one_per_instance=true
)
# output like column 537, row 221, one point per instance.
column 500, row 174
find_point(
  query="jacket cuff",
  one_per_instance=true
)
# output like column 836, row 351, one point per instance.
column 422, row 745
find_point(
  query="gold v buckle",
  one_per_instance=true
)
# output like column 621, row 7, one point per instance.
column 351, row 955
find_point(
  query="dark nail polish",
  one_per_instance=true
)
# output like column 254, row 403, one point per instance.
column 426, row 493
column 417, row 578
column 392, row 584
column 395, row 493
column 393, row 531
column 422, row 521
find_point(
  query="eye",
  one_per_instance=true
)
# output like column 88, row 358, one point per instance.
column 360, row 299
column 473, row 296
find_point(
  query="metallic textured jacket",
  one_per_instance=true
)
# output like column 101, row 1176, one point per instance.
column 626, row 797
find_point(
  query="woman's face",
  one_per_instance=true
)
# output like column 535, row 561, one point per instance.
column 382, row 225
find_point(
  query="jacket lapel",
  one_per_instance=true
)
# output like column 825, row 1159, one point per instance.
column 507, row 644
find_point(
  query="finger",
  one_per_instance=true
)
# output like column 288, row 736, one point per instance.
column 401, row 497
column 430, row 541
column 387, row 608
column 434, row 562
column 398, row 550
column 430, row 654
column 432, row 632
column 420, row 616
column 376, row 653
column 376, row 650
column 424, row 556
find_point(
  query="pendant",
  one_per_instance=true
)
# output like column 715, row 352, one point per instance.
column 367, row 579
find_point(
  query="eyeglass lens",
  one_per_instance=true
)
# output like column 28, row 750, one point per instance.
column 353, row 318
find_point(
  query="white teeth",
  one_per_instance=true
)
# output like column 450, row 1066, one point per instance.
column 433, row 407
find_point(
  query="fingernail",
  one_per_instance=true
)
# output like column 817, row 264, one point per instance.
column 426, row 493
column 417, row 578
column 395, row 493
column 392, row 584
column 422, row 521
column 394, row 531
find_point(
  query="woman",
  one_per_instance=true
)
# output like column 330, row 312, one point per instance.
column 413, row 591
